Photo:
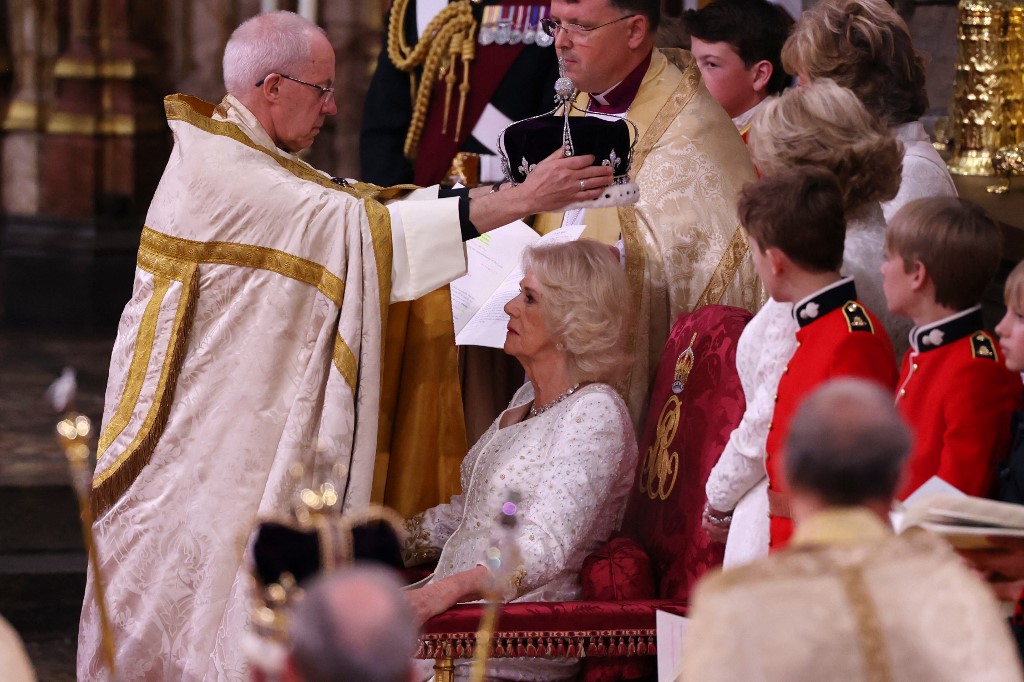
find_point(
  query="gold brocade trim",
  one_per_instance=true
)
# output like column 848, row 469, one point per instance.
column 137, row 369
column 158, row 245
column 535, row 644
column 111, row 483
column 635, row 262
column 869, row 628
column 246, row 256
column 418, row 548
column 159, row 263
column 384, row 255
column 345, row 361
column 636, row 266
column 661, row 467
column 725, row 271
column 198, row 113
column 684, row 92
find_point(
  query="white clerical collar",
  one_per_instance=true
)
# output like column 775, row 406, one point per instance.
column 232, row 110
column 602, row 99
column 748, row 115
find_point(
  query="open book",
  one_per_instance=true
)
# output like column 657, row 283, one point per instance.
column 968, row 522
column 492, row 280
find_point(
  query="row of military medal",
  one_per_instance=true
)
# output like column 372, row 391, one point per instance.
column 511, row 25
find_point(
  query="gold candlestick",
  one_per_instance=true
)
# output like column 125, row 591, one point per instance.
column 73, row 434
column 1007, row 162
column 976, row 114
column 1013, row 75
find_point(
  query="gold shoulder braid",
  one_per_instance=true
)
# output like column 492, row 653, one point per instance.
column 857, row 319
column 448, row 39
column 982, row 346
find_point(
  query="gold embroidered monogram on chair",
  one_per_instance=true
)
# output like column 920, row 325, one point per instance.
column 659, row 463
column 661, row 467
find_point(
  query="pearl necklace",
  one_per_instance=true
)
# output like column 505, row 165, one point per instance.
column 534, row 411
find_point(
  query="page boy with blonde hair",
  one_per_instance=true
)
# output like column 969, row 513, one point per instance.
column 1011, row 344
column 954, row 389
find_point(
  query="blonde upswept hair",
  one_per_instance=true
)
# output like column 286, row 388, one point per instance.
column 825, row 125
column 865, row 46
column 586, row 305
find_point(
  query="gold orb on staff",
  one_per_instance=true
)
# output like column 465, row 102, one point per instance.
column 75, row 433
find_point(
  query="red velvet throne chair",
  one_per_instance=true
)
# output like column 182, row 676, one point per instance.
column 661, row 550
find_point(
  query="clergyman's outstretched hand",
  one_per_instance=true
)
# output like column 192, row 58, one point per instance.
column 558, row 181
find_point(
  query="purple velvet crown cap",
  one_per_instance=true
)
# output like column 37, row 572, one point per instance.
column 527, row 143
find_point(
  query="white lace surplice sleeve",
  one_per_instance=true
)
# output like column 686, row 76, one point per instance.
column 581, row 495
column 765, row 347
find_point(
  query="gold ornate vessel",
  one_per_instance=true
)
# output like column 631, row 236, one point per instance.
column 980, row 87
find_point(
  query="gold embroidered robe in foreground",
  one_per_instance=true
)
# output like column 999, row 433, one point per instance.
column 848, row 601
column 251, row 343
column 684, row 245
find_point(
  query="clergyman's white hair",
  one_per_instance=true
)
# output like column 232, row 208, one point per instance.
column 275, row 42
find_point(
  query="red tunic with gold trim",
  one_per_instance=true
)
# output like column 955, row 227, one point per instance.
column 838, row 337
column 958, row 398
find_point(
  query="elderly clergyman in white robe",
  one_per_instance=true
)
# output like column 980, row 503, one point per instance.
column 253, row 342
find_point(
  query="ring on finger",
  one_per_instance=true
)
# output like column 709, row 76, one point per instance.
column 583, row 185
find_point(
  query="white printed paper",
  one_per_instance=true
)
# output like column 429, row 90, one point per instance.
column 492, row 280
column 671, row 631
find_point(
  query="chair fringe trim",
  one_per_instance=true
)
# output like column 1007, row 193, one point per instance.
column 569, row 644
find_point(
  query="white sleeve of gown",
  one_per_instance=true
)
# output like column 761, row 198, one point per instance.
column 765, row 348
column 924, row 175
column 427, row 244
column 429, row 530
column 581, row 497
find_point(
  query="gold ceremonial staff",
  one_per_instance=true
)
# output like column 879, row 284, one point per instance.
column 504, row 560
column 74, row 433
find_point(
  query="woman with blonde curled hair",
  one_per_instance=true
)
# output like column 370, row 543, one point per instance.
column 825, row 125
column 865, row 46
column 590, row 323
column 565, row 444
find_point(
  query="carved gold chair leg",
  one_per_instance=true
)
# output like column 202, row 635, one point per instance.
column 444, row 669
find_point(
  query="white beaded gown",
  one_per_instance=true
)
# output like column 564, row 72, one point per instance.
column 573, row 465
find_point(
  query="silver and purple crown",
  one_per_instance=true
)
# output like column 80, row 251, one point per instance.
column 609, row 138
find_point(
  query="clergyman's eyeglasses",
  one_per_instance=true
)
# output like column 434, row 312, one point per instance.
column 324, row 92
column 575, row 31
